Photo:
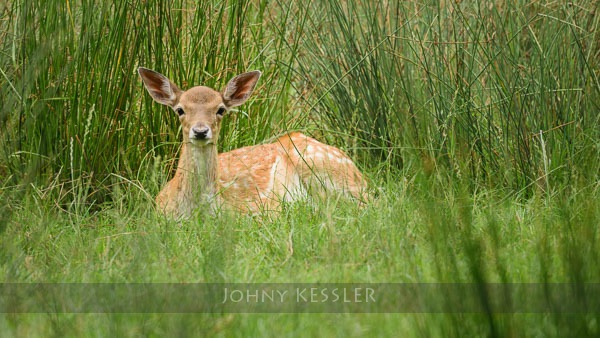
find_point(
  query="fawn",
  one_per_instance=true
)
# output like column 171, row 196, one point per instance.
column 249, row 179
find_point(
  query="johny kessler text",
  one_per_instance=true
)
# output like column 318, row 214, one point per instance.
column 300, row 295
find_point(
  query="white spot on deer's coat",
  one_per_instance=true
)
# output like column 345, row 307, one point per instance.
column 294, row 190
column 267, row 192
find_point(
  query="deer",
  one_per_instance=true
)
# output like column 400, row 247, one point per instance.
column 252, row 179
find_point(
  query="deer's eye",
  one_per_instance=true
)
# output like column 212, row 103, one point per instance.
column 221, row 111
column 180, row 111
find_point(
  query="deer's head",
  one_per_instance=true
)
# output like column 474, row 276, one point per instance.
column 200, row 109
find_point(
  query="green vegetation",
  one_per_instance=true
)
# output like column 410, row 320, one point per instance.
column 477, row 124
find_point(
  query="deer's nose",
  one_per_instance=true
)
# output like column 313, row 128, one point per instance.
column 200, row 133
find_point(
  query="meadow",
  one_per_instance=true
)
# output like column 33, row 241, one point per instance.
column 476, row 123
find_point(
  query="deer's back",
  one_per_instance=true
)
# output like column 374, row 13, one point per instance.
column 259, row 177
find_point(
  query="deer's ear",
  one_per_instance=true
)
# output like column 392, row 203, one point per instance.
column 160, row 88
column 240, row 88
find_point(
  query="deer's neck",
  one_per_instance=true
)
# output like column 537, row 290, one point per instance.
column 198, row 169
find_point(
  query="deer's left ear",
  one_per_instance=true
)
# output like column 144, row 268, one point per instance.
column 160, row 88
column 240, row 88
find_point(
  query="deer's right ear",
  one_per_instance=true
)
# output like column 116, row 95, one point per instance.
column 160, row 88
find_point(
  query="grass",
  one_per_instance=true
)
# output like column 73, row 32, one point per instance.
column 478, row 127
column 411, row 235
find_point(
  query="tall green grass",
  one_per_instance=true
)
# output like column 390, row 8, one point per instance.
column 503, row 95
column 75, row 112
column 478, row 126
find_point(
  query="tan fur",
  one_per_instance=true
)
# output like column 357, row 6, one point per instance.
column 250, row 179
column 260, row 177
